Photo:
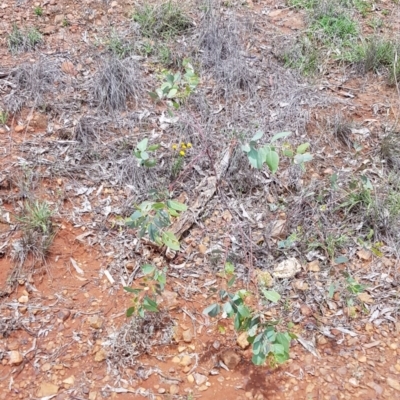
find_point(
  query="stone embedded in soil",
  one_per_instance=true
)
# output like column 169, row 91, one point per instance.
column 46, row 367
column 161, row 390
column 70, row 380
column 92, row 395
column 100, row 356
column 63, row 315
column 169, row 299
column 393, row 383
column 199, row 378
column 287, row 268
column 202, row 249
column 187, row 335
column 364, row 254
column 203, row 388
column 176, row 360
column 19, row 128
column 174, row 389
column 47, row 389
column 230, row 358
column 23, row 299
column 306, row 311
column 190, row 378
column 95, row 322
column 185, row 361
column 16, row 358
column 242, row 341
column 313, row 266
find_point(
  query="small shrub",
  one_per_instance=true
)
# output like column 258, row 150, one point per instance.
column 165, row 20
column 3, row 117
column 20, row 41
column 390, row 150
column 38, row 11
column 119, row 46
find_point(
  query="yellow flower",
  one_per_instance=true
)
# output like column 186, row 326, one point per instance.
column 189, row 145
column 183, row 145
column 174, row 147
column 182, row 153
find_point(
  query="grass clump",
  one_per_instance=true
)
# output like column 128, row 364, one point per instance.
column 302, row 56
column 165, row 20
column 390, row 150
column 20, row 41
column 116, row 82
column 335, row 27
column 119, row 46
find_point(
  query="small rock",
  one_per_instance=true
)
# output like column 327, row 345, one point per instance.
column 190, row 378
column 362, row 359
column 23, row 299
column 203, row 388
column 63, row 315
column 202, row 249
column 393, row 383
column 242, row 341
column 300, row 285
column 16, row 358
column 169, row 299
column 174, row 389
column 47, row 389
column 199, row 378
column 19, row 128
column 100, row 356
column 353, row 382
column 313, row 266
column 48, row 30
column 364, row 254
column 92, row 395
column 95, row 322
column 187, row 335
column 277, row 228
column 46, row 367
column 306, row 311
column 58, row 19
column 70, row 380
column 176, row 360
column 181, row 349
column 230, row 358
column 378, row 389
column 287, row 269
column 161, row 390
column 185, row 361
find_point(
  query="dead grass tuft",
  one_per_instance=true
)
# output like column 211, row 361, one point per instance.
column 116, row 82
column 31, row 83
column 390, row 150
column 139, row 337
column 222, row 54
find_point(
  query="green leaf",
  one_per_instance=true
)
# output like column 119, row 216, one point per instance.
column 148, row 269
column 152, row 230
column 231, row 281
column 244, row 311
column 280, row 136
column 302, row 148
column 227, row 307
column 341, row 260
column 131, row 290
column 302, row 158
column 284, row 340
column 246, row 148
column 172, row 93
column 176, row 205
column 252, row 155
column 281, row 358
column 144, row 155
column 331, row 290
column 261, row 155
column 130, row 311
column 142, row 145
column 158, row 206
column 288, row 153
column 258, row 359
column 154, row 96
column 213, row 310
column 170, row 240
column 150, row 305
column 272, row 160
column 153, row 147
column 257, row 136
column 271, row 295
column 150, row 163
column 253, row 330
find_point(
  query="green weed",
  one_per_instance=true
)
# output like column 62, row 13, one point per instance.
column 37, row 216
column 165, row 20
column 3, row 117
column 38, row 11
column 19, row 40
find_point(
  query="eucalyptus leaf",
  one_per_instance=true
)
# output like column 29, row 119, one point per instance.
column 280, row 135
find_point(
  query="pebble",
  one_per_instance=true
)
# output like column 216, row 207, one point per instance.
column 16, row 358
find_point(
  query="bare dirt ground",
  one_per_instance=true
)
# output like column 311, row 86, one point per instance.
column 74, row 106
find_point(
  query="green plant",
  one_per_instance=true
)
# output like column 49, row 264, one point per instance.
column 118, row 46
column 353, row 286
column 306, row 4
column 65, row 22
column 303, row 56
column 268, row 154
column 37, row 216
column 153, row 217
column 142, row 151
column 27, row 40
column 335, row 26
column 359, row 195
column 266, row 341
column 176, row 88
column 165, row 20
column 154, row 283
column 38, row 11
column 3, row 117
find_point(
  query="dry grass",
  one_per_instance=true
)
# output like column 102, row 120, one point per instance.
column 117, row 82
